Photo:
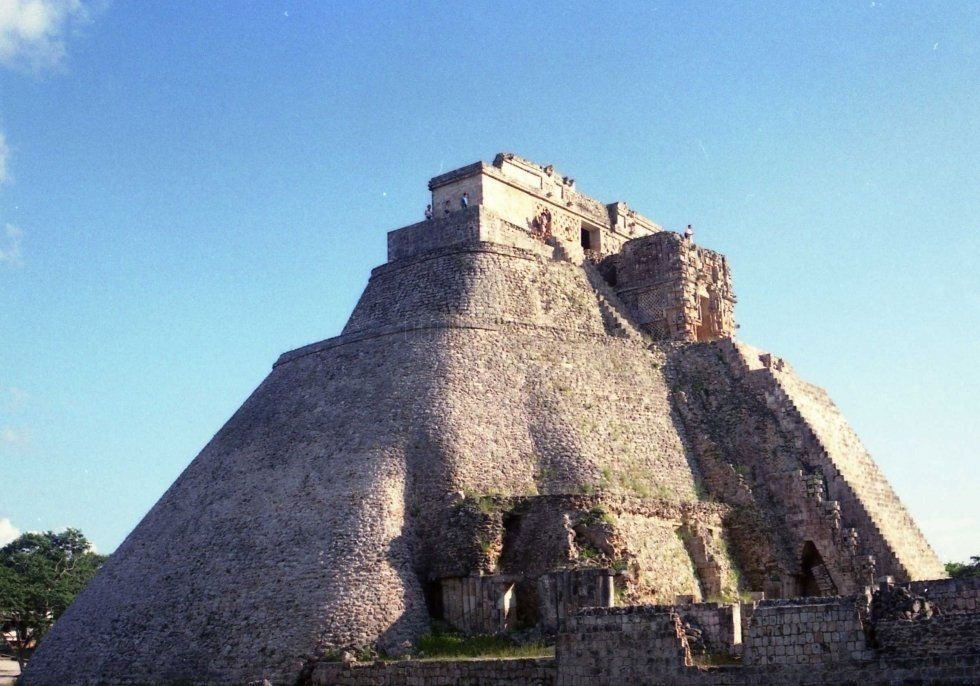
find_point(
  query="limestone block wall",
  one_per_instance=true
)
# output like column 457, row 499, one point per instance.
column 447, row 189
column 518, row 191
column 800, row 524
column 855, row 472
column 937, row 637
column 805, row 631
column 620, row 646
column 474, row 225
column 676, row 290
column 287, row 535
column 800, row 641
column 558, row 414
column 950, row 596
column 483, row 282
column 515, row 672
column 301, row 526
column 661, row 568
column 652, row 544
column 720, row 624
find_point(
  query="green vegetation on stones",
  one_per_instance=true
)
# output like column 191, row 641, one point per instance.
column 959, row 570
column 450, row 646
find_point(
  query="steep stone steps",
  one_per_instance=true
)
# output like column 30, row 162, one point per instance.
column 614, row 313
column 807, row 411
column 612, row 307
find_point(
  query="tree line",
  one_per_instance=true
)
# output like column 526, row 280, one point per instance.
column 40, row 574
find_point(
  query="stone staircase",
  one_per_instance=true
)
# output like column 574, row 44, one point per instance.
column 614, row 312
column 755, row 367
column 824, row 582
column 615, row 315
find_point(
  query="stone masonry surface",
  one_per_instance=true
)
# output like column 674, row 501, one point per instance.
column 494, row 441
column 526, row 672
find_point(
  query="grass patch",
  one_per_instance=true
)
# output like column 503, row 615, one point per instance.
column 451, row 646
column 714, row 660
column 487, row 503
column 596, row 515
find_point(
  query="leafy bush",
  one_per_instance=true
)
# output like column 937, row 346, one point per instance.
column 959, row 570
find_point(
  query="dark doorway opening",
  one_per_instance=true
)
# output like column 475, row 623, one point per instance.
column 433, row 599
column 815, row 580
column 589, row 238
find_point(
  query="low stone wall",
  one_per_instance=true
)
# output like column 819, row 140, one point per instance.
column 647, row 646
column 950, row 596
column 805, row 631
column 621, row 645
column 721, row 625
column 954, row 671
column 938, row 636
column 512, row 672
column 472, row 225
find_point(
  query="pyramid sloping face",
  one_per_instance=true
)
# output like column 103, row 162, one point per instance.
column 317, row 514
column 300, row 525
column 286, row 528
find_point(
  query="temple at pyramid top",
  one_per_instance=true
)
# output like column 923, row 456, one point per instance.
column 517, row 189
column 674, row 290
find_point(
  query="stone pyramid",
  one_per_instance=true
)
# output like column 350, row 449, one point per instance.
column 537, row 405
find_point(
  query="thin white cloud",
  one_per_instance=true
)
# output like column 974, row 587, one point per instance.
column 10, row 244
column 32, row 32
column 4, row 155
column 8, row 532
column 16, row 436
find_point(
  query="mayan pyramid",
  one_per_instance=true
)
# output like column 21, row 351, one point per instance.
column 536, row 405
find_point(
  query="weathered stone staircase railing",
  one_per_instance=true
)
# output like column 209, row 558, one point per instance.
column 612, row 308
column 793, row 421
column 614, row 312
column 913, row 553
column 791, row 412
column 824, row 582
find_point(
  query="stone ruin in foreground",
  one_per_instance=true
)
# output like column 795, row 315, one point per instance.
column 536, row 417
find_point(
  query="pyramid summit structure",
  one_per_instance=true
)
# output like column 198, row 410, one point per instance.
column 536, row 406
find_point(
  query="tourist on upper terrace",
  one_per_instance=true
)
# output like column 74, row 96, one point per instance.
column 428, row 211
column 464, row 202
column 689, row 233
column 445, row 207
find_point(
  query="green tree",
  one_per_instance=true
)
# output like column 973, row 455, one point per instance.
column 40, row 574
column 959, row 570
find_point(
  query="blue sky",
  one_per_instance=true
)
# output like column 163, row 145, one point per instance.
column 189, row 189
